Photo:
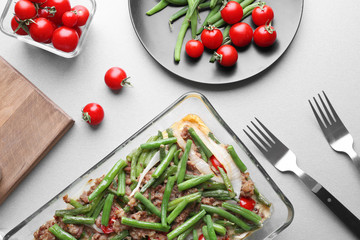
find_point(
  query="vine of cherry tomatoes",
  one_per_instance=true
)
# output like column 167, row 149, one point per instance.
column 241, row 34
column 50, row 21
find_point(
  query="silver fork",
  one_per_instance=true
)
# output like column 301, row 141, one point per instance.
column 334, row 130
column 285, row 161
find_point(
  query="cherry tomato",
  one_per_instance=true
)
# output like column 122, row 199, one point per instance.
column 18, row 27
column 201, row 237
column 247, row 203
column 24, row 9
column 41, row 30
column 82, row 13
column 65, row 39
column 78, row 31
column 194, row 48
column 43, row 12
column 262, row 15
column 241, row 34
column 232, row 12
column 264, row 36
column 109, row 228
column 61, row 6
column 211, row 37
column 115, row 78
column 216, row 163
column 69, row 19
column 93, row 113
column 227, row 55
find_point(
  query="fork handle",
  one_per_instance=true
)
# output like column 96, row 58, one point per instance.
column 348, row 218
column 355, row 158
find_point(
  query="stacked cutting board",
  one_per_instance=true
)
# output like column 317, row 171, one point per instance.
column 30, row 125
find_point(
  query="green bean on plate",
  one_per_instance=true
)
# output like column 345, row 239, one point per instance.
column 168, row 199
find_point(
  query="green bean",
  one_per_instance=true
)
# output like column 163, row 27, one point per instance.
column 165, row 163
column 141, row 224
column 133, row 185
column 140, row 207
column 213, row 3
column 203, row 155
column 205, row 232
column 148, row 204
column 193, row 23
column 61, row 234
column 191, row 198
column 143, row 156
column 136, row 151
column 121, row 183
column 219, row 229
column 176, row 212
column 183, row 162
column 169, row 172
column 225, row 223
column 74, row 211
column 176, row 156
column 227, row 182
column 212, row 185
column 261, row 198
column 158, row 7
column 211, row 135
column 189, row 176
column 98, row 209
column 227, row 215
column 170, row 132
column 94, row 204
column 236, row 159
column 195, row 235
column 75, row 203
column 183, row 29
column 68, row 219
column 186, row 225
column 210, row 227
column 107, row 209
column 199, row 142
column 178, row 14
column 127, row 208
column 194, row 182
column 184, row 235
column 165, row 201
column 245, row 213
column 107, row 179
column 121, row 236
column 178, row 2
column 158, row 143
column 134, row 160
column 216, row 193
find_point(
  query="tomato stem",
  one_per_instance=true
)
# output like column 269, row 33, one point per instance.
column 125, row 82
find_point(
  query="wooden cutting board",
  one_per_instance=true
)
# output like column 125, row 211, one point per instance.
column 30, row 125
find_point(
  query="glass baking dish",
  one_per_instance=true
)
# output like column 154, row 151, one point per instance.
column 8, row 13
column 282, row 211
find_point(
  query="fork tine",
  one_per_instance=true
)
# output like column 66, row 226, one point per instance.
column 337, row 119
column 326, row 122
column 270, row 142
column 317, row 116
column 255, row 142
column 327, row 110
column 266, row 145
column 275, row 139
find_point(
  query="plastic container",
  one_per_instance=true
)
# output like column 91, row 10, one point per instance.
column 282, row 211
column 8, row 13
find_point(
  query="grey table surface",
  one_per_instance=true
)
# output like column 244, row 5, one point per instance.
column 323, row 56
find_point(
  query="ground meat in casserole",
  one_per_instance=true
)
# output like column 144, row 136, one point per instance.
column 247, row 186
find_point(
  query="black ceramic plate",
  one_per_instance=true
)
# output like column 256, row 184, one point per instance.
column 155, row 35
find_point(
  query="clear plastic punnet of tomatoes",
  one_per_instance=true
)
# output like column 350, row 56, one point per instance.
column 58, row 26
column 182, row 183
